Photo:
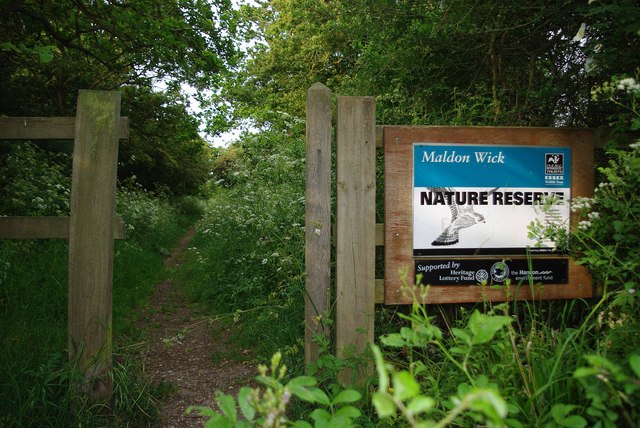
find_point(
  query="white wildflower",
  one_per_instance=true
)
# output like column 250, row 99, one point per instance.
column 629, row 85
column 584, row 225
column 580, row 203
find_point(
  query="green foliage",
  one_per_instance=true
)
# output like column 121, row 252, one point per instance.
column 613, row 390
column 33, row 181
column 606, row 236
column 51, row 50
column 452, row 62
column 247, row 256
column 164, row 150
column 268, row 408
column 38, row 386
column 403, row 395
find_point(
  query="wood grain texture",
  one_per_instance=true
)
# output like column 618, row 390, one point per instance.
column 317, row 219
column 47, row 128
column 398, row 147
column 45, row 228
column 91, row 237
column 355, row 222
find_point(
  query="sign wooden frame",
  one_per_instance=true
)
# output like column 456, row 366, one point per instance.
column 399, row 259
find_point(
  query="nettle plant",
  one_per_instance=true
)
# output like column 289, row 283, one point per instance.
column 607, row 230
column 400, row 395
column 268, row 407
column 605, row 240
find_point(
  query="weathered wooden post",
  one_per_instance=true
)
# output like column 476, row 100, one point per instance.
column 317, row 218
column 91, row 237
column 355, row 225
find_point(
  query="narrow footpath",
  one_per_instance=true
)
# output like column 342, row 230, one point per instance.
column 187, row 352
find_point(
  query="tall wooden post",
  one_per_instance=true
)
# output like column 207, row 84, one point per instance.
column 355, row 223
column 317, row 219
column 91, row 233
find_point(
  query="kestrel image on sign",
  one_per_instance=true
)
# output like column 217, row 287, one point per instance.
column 462, row 216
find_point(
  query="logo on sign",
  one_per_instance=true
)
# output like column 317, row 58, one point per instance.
column 499, row 271
column 554, row 163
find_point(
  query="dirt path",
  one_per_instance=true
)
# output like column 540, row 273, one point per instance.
column 188, row 352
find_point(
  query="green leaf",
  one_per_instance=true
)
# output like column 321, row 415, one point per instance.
column 303, row 381
column 405, row 386
column 228, row 406
column 320, row 397
column 248, row 411
column 301, row 424
column 599, row 361
column 394, row 340
column 384, row 404
column 574, row 421
column 490, row 403
column 201, row 410
column 421, row 404
column 45, row 53
column 347, row 396
column 320, row 415
column 461, row 334
column 269, row 381
column 585, row 372
column 383, row 377
column 219, row 421
column 458, row 350
column 305, row 394
column 348, row 412
column 484, row 327
column 634, row 362
column 561, row 415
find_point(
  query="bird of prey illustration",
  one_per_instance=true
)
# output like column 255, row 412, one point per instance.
column 462, row 216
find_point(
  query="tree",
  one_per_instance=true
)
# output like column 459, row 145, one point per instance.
column 164, row 150
column 51, row 49
column 434, row 62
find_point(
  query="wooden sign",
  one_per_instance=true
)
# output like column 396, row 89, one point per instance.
column 457, row 205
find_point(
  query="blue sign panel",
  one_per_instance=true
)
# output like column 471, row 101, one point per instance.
column 474, row 199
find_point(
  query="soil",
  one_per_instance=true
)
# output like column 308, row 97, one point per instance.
column 188, row 352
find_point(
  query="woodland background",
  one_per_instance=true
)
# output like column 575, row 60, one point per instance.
column 190, row 70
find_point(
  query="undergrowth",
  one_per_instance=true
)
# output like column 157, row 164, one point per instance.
column 573, row 363
column 38, row 385
column 246, row 262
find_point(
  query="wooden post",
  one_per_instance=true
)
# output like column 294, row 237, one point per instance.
column 91, row 237
column 355, row 225
column 317, row 219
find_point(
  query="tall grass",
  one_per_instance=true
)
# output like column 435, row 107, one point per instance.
column 546, row 363
column 247, row 258
column 38, row 386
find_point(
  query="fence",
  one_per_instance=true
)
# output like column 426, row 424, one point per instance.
column 357, row 234
column 91, row 227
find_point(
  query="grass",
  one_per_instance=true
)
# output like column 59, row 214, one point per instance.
column 38, row 385
column 246, row 259
column 548, row 363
